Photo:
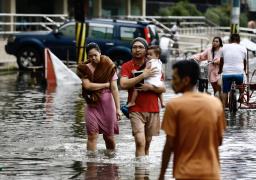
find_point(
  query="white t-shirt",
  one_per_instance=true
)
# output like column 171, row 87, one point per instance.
column 156, row 79
column 233, row 55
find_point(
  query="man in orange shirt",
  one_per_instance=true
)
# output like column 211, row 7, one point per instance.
column 194, row 124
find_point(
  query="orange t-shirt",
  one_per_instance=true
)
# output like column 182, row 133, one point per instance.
column 196, row 121
column 146, row 101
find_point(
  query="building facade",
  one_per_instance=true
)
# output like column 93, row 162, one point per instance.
column 34, row 7
column 103, row 8
column 98, row 8
column 93, row 8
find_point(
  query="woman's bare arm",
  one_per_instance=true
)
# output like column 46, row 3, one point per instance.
column 87, row 84
column 116, row 97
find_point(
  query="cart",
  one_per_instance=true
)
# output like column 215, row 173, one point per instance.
column 247, row 97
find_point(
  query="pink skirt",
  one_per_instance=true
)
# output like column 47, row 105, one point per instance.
column 213, row 72
column 101, row 118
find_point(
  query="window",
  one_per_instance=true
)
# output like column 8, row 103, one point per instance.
column 100, row 32
column 113, row 8
column 129, row 33
column 68, row 30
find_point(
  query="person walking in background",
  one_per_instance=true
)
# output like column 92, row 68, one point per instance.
column 194, row 124
column 212, row 55
column 144, row 115
column 232, row 65
column 153, row 55
column 175, row 37
column 99, row 88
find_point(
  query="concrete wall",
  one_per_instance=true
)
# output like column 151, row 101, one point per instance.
column 6, row 61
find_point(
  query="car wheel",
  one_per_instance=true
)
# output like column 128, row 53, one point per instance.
column 28, row 57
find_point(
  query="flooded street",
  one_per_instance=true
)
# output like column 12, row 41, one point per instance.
column 43, row 137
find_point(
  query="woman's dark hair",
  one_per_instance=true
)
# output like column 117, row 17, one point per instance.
column 92, row 45
column 221, row 45
column 188, row 68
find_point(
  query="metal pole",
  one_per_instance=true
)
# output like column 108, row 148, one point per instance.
column 247, row 77
column 80, row 30
column 201, row 45
column 234, row 29
column 247, row 66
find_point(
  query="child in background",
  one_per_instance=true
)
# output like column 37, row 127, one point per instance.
column 153, row 54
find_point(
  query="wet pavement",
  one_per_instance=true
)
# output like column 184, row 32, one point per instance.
column 43, row 137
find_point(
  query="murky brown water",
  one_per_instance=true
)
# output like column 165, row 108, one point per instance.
column 42, row 137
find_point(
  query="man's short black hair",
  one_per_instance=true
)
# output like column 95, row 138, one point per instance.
column 188, row 68
column 235, row 38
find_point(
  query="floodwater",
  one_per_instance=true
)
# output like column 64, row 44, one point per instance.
column 43, row 137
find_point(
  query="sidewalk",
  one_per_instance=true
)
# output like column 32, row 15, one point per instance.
column 7, row 62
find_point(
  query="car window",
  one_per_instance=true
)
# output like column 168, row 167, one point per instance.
column 129, row 33
column 100, row 32
column 68, row 30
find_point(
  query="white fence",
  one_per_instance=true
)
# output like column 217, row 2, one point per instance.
column 14, row 23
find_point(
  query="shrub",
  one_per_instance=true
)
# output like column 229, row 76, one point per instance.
column 182, row 8
column 222, row 16
column 219, row 15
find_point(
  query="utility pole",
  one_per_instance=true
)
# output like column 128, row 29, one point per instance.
column 235, row 14
column 79, row 7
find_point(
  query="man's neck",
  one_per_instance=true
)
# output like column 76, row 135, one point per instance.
column 190, row 89
column 139, row 61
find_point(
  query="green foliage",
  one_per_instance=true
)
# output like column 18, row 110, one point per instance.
column 182, row 8
column 164, row 12
column 243, row 20
column 222, row 15
column 219, row 15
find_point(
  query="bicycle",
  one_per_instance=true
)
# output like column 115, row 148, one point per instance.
column 232, row 105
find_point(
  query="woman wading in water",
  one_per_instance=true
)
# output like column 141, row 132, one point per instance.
column 99, row 88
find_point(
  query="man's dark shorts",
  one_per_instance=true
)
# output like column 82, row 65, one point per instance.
column 229, row 78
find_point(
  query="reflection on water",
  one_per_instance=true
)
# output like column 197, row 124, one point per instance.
column 101, row 171
column 243, row 119
column 238, row 153
column 43, row 137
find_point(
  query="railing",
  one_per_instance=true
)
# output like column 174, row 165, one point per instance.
column 168, row 21
column 191, row 25
column 217, row 31
column 14, row 23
